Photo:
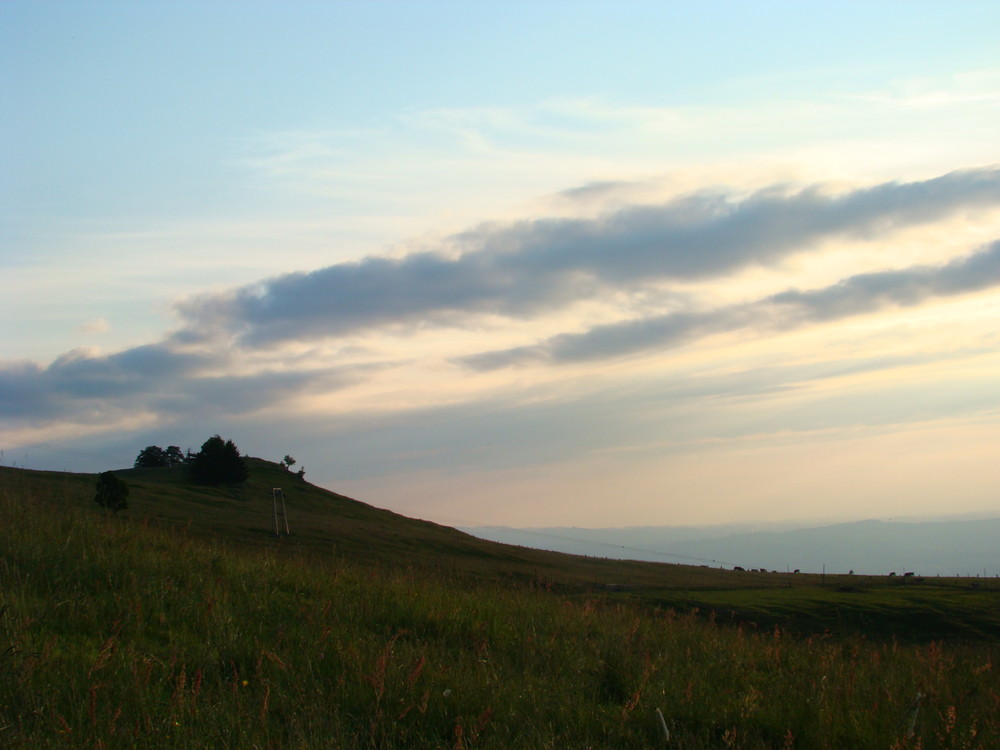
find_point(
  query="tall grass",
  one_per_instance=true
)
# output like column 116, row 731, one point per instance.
column 114, row 634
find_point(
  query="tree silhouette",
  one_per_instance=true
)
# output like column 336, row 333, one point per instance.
column 173, row 455
column 111, row 492
column 218, row 462
column 150, row 457
column 153, row 455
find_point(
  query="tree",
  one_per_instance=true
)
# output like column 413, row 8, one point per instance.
column 111, row 492
column 173, row 456
column 153, row 456
column 150, row 457
column 288, row 462
column 218, row 462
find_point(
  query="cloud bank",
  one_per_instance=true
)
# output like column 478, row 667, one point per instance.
column 87, row 388
column 240, row 352
column 856, row 295
column 535, row 266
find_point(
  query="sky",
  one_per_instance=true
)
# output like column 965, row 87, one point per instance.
column 527, row 264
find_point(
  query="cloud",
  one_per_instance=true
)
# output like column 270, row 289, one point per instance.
column 600, row 193
column 98, row 325
column 76, row 382
column 903, row 288
column 863, row 293
column 534, row 266
column 82, row 386
column 237, row 353
column 645, row 416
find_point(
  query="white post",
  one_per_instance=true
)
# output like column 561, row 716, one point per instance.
column 275, row 494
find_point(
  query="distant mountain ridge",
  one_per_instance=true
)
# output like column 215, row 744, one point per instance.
column 947, row 548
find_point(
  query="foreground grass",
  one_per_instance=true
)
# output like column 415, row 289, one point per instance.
column 950, row 610
column 116, row 634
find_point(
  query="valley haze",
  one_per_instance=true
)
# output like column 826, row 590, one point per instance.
column 965, row 547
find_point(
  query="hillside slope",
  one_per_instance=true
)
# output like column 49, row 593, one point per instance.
column 328, row 527
column 326, row 523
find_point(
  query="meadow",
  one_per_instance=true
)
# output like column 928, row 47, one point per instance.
column 146, row 630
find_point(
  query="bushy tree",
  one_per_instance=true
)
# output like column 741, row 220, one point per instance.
column 153, row 456
column 112, row 492
column 288, row 462
column 150, row 457
column 173, row 456
column 218, row 462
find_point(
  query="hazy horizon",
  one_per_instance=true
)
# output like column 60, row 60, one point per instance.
column 961, row 546
column 639, row 263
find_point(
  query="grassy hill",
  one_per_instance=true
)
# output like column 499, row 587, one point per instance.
column 188, row 624
column 326, row 523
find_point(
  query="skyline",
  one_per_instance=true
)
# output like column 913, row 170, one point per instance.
column 653, row 264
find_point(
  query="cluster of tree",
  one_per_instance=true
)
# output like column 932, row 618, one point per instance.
column 218, row 462
column 153, row 456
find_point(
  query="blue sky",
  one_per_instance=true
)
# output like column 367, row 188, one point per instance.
column 530, row 264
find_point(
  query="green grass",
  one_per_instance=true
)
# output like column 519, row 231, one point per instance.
column 326, row 524
column 173, row 628
column 942, row 610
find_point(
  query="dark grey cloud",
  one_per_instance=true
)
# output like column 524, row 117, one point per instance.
column 150, row 379
column 527, row 267
column 78, row 381
column 130, row 371
column 873, row 291
column 856, row 295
